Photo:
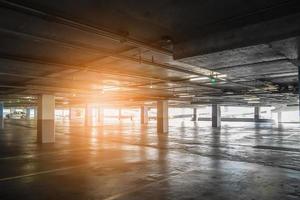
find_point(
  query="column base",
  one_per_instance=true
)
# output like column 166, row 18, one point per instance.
column 46, row 131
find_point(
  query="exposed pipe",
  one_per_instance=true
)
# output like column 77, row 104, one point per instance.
column 67, row 90
column 83, row 27
column 103, row 33
column 141, row 61
column 66, row 66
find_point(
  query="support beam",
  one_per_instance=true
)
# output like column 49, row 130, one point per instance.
column 144, row 115
column 100, row 115
column 12, row 110
column 70, row 113
column 195, row 115
column 120, row 114
column 261, row 33
column 102, row 32
column 88, row 115
column 35, row 112
column 45, row 124
column 162, row 116
column 1, row 115
column 28, row 113
column 216, row 115
column 256, row 113
column 73, row 113
column 279, row 117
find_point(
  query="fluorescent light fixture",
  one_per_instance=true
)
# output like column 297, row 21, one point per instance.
column 253, row 102
column 229, row 93
column 252, row 99
column 199, row 79
column 111, row 88
column 283, row 74
column 185, row 96
column 207, row 78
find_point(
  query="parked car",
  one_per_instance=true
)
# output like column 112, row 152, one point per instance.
column 16, row 115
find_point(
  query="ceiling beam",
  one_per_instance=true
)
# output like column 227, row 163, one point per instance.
column 83, row 27
column 260, row 33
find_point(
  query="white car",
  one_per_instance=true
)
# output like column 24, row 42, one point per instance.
column 16, row 115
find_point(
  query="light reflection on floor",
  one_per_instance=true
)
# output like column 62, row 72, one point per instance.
column 128, row 161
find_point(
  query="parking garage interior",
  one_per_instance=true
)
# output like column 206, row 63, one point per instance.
column 166, row 99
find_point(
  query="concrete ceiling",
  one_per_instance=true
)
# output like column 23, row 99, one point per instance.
column 129, row 52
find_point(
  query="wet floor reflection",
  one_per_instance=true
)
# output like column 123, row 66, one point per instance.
column 193, row 160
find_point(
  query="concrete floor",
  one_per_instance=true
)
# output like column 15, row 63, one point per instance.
column 126, row 161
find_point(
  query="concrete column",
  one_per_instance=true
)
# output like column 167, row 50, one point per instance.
column 73, row 113
column 1, row 115
column 195, row 115
column 70, row 113
column 120, row 113
column 162, row 116
column 12, row 110
column 45, row 123
column 256, row 113
column 100, row 114
column 35, row 112
column 28, row 113
column 88, row 115
column 279, row 117
column 144, row 115
column 216, row 115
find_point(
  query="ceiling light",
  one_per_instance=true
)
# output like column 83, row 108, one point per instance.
column 199, row 79
column 253, row 102
column 283, row 74
column 208, row 78
column 113, row 88
column 251, row 98
column 221, row 76
column 185, row 96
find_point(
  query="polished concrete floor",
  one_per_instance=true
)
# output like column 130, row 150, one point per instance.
column 240, row 161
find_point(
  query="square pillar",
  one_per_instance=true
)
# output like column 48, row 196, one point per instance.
column 1, row 110
column 279, row 117
column 12, row 110
column 70, row 113
column 35, row 112
column 100, row 114
column 256, row 113
column 28, row 113
column 120, row 114
column 1, row 115
column 46, row 117
column 216, row 115
column 195, row 115
column 88, row 115
column 162, row 116
column 144, row 115
column 73, row 113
